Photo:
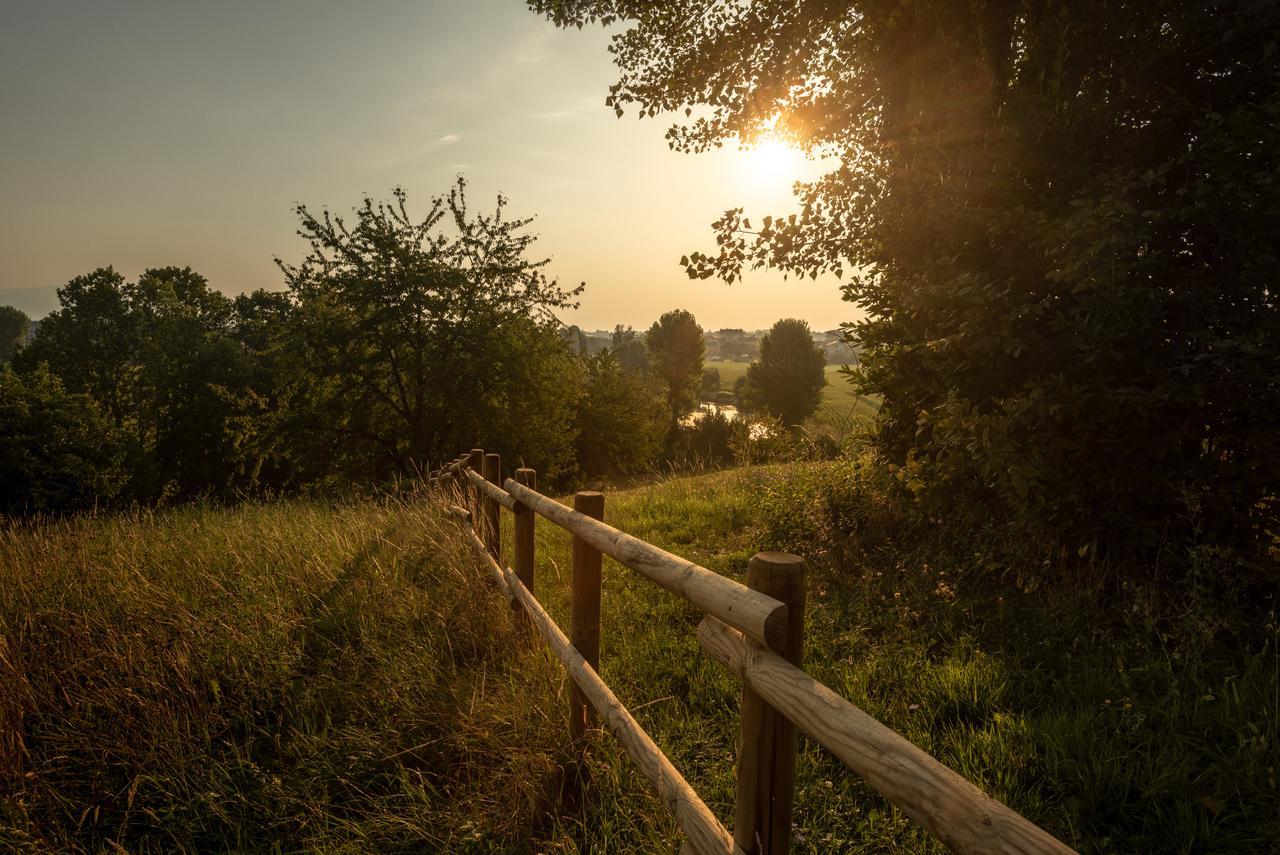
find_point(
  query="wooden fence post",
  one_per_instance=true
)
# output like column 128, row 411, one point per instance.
column 767, row 755
column 522, row 540
column 472, row 492
column 584, row 629
column 492, row 512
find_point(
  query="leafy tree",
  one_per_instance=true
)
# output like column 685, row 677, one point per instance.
column 709, row 389
column 14, row 325
column 622, row 418
column 675, row 348
column 629, row 348
column 787, row 381
column 58, row 451
column 417, row 328
column 1059, row 219
column 91, row 343
column 158, row 357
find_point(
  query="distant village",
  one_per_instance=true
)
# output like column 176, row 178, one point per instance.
column 726, row 345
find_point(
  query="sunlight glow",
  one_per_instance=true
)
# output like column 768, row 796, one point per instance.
column 772, row 161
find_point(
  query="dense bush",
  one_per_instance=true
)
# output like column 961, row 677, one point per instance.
column 57, row 450
column 621, row 420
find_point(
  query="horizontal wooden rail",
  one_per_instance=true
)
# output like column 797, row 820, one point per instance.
column 946, row 804
column 759, row 616
column 706, row 836
column 493, row 491
column 500, row 576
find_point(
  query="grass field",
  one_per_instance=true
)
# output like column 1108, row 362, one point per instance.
column 310, row 676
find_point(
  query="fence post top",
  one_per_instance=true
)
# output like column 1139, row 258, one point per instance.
column 777, row 559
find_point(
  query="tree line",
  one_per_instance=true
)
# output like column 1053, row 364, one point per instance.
column 397, row 341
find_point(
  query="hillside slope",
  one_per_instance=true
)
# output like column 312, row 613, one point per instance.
column 304, row 676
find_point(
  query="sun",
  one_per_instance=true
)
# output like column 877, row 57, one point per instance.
column 772, row 161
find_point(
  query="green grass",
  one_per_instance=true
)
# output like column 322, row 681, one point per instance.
column 305, row 676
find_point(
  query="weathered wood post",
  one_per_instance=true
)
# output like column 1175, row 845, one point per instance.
column 767, row 755
column 492, row 511
column 522, row 540
column 584, row 629
column 471, row 491
column 460, row 480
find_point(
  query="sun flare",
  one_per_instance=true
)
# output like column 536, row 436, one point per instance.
column 771, row 160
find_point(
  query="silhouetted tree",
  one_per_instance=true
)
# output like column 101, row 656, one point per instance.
column 675, row 347
column 710, row 386
column 14, row 325
column 58, row 452
column 428, row 332
column 629, row 348
column 787, row 381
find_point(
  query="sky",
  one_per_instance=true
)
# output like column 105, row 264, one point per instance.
column 143, row 134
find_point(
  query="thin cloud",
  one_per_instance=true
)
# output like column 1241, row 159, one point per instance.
column 576, row 110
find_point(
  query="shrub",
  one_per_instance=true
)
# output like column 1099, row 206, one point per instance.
column 58, row 452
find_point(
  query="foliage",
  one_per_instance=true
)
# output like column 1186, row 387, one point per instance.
column 675, row 349
column 158, row 356
column 1059, row 219
column 58, row 452
column 709, row 388
column 14, row 325
column 787, row 381
column 621, row 421
column 629, row 348
column 707, row 440
column 417, row 327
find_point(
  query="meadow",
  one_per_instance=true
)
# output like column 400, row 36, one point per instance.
column 338, row 676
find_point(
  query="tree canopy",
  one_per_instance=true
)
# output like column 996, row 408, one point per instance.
column 676, row 347
column 1058, row 218
column 426, row 329
column 14, row 325
column 788, row 378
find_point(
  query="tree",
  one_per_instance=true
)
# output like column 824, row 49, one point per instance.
column 622, row 418
column 421, row 329
column 14, row 325
column 787, row 381
column 1059, row 219
column 630, row 349
column 91, row 342
column 157, row 356
column 709, row 388
column 675, row 347
column 58, row 452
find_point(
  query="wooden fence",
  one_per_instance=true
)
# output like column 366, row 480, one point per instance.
column 756, row 631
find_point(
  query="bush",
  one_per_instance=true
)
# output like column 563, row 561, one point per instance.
column 58, row 452
column 621, row 420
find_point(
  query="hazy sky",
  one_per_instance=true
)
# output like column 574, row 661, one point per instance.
column 141, row 134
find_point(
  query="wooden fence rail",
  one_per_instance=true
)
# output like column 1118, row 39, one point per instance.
column 755, row 630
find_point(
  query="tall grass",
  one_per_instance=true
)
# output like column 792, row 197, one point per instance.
column 311, row 677
column 271, row 678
